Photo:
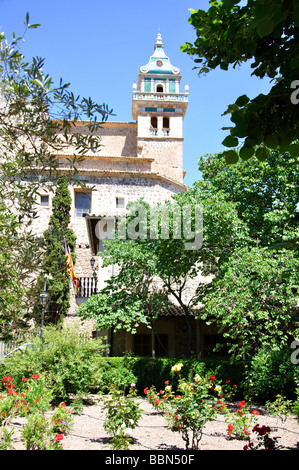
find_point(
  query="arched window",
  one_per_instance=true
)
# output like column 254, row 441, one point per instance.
column 166, row 122
column 166, row 125
column 154, row 125
column 160, row 89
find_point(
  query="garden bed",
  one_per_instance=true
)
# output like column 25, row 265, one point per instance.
column 153, row 433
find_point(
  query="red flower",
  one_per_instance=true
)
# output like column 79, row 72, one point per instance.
column 261, row 430
column 61, row 404
column 35, row 376
column 6, row 379
column 230, row 427
column 241, row 404
column 255, row 412
column 212, row 377
column 166, row 382
column 58, row 437
column 227, row 381
column 145, row 391
column 24, row 379
column 157, row 401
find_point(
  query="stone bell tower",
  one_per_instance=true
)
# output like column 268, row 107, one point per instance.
column 159, row 109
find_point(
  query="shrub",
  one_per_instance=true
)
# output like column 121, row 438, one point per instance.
column 116, row 371
column 68, row 362
column 123, row 414
column 41, row 432
column 272, row 374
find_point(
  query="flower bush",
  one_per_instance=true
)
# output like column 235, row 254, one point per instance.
column 33, row 400
column 264, row 439
column 189, row 408
column 281, row 407
column 123, row 414
column 241, row 421
column 67, row 360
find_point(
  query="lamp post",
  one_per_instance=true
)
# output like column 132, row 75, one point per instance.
column 43, row 297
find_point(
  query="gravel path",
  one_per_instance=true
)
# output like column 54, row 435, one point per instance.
column 154, row 434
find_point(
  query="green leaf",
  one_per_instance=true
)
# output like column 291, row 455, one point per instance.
column 271, row 141
column 231, row 157
column 230, row 141
column 242, row 100
column 294, row 150
column 246, row 153
column 265, row 27
column 262, row 154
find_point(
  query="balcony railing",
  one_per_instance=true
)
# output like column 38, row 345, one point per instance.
column 87, row 287
column 160, row 96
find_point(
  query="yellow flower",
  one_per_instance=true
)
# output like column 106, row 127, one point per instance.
column 218, row 388
column 168, row 388
column 197, row 378
column 177, row 367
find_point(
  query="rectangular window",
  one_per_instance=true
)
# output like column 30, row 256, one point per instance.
column 171, row 86
column 147, row 86
column 82, row 204
column 44, row 201
column 142, row 345
column 120, row 202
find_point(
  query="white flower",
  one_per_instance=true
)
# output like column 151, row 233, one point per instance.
column 128, row 431
column 197, row 378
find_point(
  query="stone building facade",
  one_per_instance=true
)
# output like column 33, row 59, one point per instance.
column 138, row 159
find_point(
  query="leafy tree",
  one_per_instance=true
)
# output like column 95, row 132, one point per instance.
column 254, row 300
column 37, row 121
column 265, row 32
column 266, row 193
column 156, row 271
column 54, row 261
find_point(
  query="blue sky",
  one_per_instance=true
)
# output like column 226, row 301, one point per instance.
column 98, row 46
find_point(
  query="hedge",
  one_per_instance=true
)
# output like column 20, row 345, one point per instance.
column 146, row 371
column 271, row 373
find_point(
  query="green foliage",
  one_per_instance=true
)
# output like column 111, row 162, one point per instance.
column 253, row 303
column 240, row 421
column 263, row 32
column 32, row 399
column 281, row 407
column 266, row 193
column 295, row 407
column 40, row 431
column 187, row 409
column 37, row 121
column 117, row 372
column 122, row 416
column 272, row 374
column 155, row 269
column 265, row 375
column 68, row 360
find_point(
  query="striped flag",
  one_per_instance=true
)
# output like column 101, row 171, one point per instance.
column 70, row 266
